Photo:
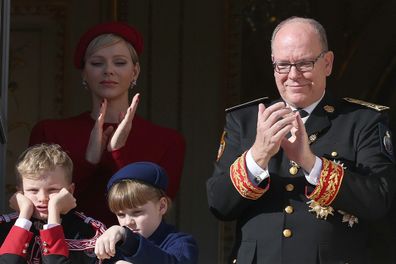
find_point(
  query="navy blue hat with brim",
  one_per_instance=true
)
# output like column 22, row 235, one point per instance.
column 147, row 172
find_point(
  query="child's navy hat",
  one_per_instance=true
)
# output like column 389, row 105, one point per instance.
column 146, row 172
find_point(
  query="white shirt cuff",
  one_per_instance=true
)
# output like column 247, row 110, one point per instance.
column 314, row 175
column 23, row 223
column 255, row 173
column 48, row 226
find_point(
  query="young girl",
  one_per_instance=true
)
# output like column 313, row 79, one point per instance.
column 136, row 195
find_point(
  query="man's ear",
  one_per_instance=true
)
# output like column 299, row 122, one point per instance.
column 329, row 58
column 163, row 205
column 71, row 188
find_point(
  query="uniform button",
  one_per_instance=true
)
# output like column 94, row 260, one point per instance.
column 26, row 245
column 46, row 250
column 287, row 233
column 293, row 170
column 289, row 187
column 334, row 154
column 234, row 261
column 24, row 251
column 45, row 244
column 289, row 209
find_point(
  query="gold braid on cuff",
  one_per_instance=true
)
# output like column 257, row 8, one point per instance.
column 241, row 181
column 329, row 183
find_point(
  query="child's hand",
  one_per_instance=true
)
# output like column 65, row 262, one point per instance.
column 64, row 201
column 105, row 244
column 22, row 204
column 60, row 203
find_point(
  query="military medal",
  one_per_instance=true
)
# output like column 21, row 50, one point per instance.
column 348, row 218
column 321, row 212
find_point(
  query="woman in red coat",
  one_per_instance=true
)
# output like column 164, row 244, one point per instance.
column 110, row 136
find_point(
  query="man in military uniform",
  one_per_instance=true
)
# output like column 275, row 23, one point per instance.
column 303, row 176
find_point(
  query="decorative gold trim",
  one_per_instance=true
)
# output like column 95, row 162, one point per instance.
column 241, row 181
column 221, row 146
column 321, row 211
column 329, row 183
column 367, row 104
column 348, row 218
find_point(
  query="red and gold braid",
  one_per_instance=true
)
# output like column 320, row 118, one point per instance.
column 329, row 183
column 241, row 181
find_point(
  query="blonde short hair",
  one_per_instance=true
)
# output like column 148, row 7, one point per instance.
column 43, row 157
column 107, row 40
column 127, row 194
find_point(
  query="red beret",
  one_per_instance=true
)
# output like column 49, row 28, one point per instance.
column 129, row 33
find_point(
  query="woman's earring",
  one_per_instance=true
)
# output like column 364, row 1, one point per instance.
column 133, row 83
column 84, row 84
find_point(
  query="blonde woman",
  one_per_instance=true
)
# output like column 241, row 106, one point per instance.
column 110, row 135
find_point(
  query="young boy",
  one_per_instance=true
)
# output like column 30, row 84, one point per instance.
column 136, row 195
column 45, row 229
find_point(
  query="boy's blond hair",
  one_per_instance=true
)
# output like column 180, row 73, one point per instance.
column 128, row 194
column 40, row 158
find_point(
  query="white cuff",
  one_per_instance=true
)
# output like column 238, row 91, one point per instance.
column 313, row 177
column 255, row 173
column 23, row 223
column 48, row 226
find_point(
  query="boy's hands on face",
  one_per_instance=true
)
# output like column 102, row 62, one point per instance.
column 60, row 203
column 105, row 244
column 22, row 204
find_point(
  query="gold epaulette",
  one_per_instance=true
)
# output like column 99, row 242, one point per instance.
column 367, row 104
column 256, row 101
